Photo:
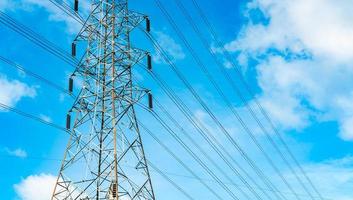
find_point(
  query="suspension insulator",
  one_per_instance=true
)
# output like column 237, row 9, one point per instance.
column 71, row 84
column 114, row 190
column 149, row 62
column 68, row 121
column 150, row 101
column 76, row 6
column 73, row 49
column 148, row 25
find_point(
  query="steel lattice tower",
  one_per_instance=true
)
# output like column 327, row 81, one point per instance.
column 104, row 158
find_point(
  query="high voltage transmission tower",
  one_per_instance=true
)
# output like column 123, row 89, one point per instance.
column 104, row 158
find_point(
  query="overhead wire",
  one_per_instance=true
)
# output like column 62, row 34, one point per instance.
column 172, row 174
column 61, row 89
column 224, row 131
column 234, row 170
column 160, row 172
column 37, row 39
column 221, row 45
column 63, row 6
column 191, row 152
column 35, row 75
column 219, row 90
column 205, row 132
column 74, row 15
column 30, row 116
column 40, row 43
column 175, row 157
column 33, row 39
column 63, row 129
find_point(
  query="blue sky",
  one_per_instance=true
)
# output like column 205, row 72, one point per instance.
column 295, row 55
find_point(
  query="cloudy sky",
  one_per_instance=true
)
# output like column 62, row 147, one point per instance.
column 296, row 57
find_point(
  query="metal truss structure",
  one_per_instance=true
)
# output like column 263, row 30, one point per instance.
column 105, row 158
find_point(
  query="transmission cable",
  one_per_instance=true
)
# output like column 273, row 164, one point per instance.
column 182, row 130
column 213, row 54
column 191, row 153
column 32, row 117
column 24, row 114
column 185, row 166
column 205, row 133
column 221, row 45
column 169, row 180
column 224, row 131
column 37, row 39
column 226, row 100
column 39, row 77
column 66, row 9
column 173, row 174
column 230, row 191
column 204, row 18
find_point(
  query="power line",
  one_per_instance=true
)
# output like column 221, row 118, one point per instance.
column 224, row 131
column 42, row 121
column 32, row 117
column 63, row 129
column 235, row 171
column 214, row 83
column 35, row 75
column 221, row 45
column 188, row 149
column 170, row 181
column 205, row 133
column 175, row 157
column 66, row 9
column 213, row 32
column 24, row 114
column 173, row 174
column 154, row 167
column 37, row 39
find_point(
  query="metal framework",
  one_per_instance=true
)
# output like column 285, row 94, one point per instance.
column 104, row 158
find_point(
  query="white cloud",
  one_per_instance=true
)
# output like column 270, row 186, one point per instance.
column 6, row 4
column 13, row 91
column 333, row 178
column 17, row 152
column 320, row 26
column 304, row 52
column 62, row 97
column 55, row 14
column 36, row 187
column 170, row 46
column 45, row 118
